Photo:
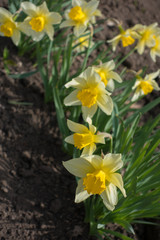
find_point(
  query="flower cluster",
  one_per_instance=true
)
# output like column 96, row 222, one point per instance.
column 38, row 22
column 97, row 174
column 146, row 36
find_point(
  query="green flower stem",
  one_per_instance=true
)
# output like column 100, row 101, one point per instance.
column 124, row 58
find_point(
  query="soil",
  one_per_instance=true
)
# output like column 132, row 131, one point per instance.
column 36, row 192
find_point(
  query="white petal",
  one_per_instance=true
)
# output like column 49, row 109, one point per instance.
column 112, row 162
column 105, row 103
column 71, row 99
column 81, row 194
column 117, row 180
column 78, row 167
column 76, row 127
column 29, row 8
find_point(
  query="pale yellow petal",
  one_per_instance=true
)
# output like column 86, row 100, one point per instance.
column 77, row 3
column 4, row 14
column 89, row 150
column 105, row 103
column 152, row 75
column 155, row 85
column 108, row 65
column 79, row 29
column 140, row 47
column 16, row 36
column 76, row 127
column 136, row 95
column 29, row 8
column 90, row 7
column 81, row 194
column 117, row 180
column 112, row 162
column 110, row 85
column 78, row 167
column 69, row 139
column 49, row 31
column 110, row 197
column 99, row 139
column 67, row 23
column 54, row 18
column 89, row 112
column 43, row 9
column 78, row 82
column 92, row 128
column 115, row 76
column 71, row 99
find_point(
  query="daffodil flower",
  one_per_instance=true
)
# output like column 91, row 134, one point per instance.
column 39, row 21
column 147, row 36
column 97, row 176
column 84, row 138
column 107, row 74
column 80, row 15
column 90, row 93
column 82, row 42
column 145, row 86
column 8, row 27
column 155, row 50
column 127, row 37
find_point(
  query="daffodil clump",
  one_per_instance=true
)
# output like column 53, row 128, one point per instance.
column 127, row 37
column 107, row 74
column 80, row 15
column 40, row 21
column 145, row 36
column 97, row 176
column 85, row 138
column 146, row 85
column 90, row 93
column 8, row 26
column 82, row 42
